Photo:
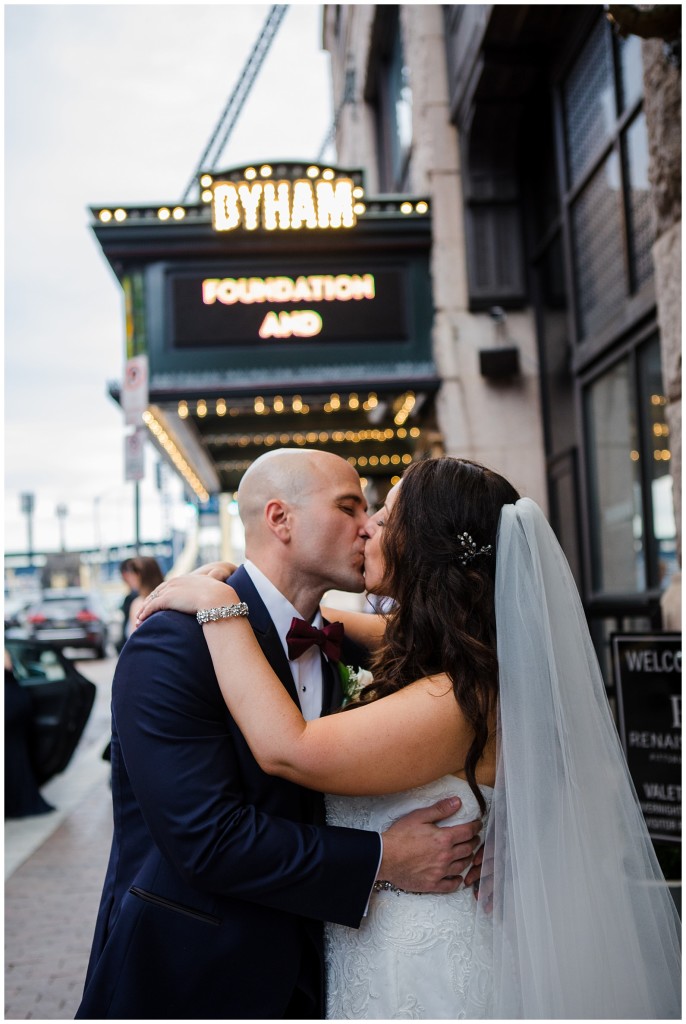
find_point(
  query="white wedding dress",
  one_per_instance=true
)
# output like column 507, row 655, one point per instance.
column 411, row 957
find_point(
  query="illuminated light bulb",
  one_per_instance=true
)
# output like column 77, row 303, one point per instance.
column 265, row 171
column 373, row 460
column 243, row 442
column 335, row 402
column 250, row 173
column 201, row 408
column 373, row 400
column 395, row 460
column 105, row 216
column 296, row 403
column 183, row 410
column 299, row 439
column 401, row 433
column 206, row 196
column 206, row 180
column 163, row 213
column 406, row 207
column 312, row 171
column 415, row 432
column 328, row 174
column 395, row 480
column 359, row 209
column 363, row 482
column 358, row 192
column 323, row 436
column 259, row 406
column 178, row 213
column 327, row 407
column 352, row 460
column 270, row 439
column 388, row 434
column 278, row 404
column 362, row 461
column 120, row 215
column 634, row 456
column 220, row 407
column 422, row 207
column 657, row 455
column 353, row 402
column 406, row 459
column 311, row 437
column 305, row 409
column 666, row 455
column 284, row 439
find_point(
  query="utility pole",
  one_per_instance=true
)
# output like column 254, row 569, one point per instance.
column 61, row 512
column 27, row 505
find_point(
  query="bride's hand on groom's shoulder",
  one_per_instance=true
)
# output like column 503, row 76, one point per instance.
column 217, row 570
column 188, row 594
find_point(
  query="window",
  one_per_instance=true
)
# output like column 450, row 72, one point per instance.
column 391, row 94
column 633, row 532
column 606, row 178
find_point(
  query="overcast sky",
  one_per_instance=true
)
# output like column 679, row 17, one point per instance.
column 115, row 104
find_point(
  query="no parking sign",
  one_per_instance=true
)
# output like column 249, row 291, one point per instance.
column 134, row 393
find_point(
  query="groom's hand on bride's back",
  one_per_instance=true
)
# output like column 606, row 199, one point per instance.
column 420, row 855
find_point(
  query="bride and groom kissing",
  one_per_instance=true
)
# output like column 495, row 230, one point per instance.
column 226, row 862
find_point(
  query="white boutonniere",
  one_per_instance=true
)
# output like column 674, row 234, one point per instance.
column 353, row 681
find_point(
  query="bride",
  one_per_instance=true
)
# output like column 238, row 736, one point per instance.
column 484, row 677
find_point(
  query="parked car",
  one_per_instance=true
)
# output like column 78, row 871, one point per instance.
column 69, row 618
column 61, row 700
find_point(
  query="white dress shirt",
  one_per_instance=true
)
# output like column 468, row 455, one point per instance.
column 307, row 669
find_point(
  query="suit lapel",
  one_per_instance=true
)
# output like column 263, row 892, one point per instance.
column 264, row 629
column 332, row 691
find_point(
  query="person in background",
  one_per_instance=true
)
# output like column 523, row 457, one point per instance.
column 146, row 575
column 128, row 574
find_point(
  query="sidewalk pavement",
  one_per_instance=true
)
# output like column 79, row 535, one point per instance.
column 54, row 870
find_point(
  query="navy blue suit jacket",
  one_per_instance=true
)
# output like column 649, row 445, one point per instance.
column 220, row 876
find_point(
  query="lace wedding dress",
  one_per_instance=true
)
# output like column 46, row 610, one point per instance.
column 411, row 957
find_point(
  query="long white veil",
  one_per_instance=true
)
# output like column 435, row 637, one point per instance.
column 583, row 925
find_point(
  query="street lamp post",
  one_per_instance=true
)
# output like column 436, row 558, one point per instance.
column 61, row 512
column 27, row 505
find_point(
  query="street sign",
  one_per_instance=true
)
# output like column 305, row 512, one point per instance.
column 134, row 393
column 134, row 455
column 647, row 671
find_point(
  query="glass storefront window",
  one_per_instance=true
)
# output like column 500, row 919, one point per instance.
column 598, row 250
column 658, row 461
column 631, row 70
column 589, row 103
column 640, row 208
column 618, row 561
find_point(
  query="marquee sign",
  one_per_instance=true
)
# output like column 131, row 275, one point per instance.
column 231, row 307
column 285, row 205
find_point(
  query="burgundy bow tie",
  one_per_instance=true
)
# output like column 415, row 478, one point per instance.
column 301, row 636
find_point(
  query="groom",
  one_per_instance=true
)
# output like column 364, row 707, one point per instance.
column 220, row 876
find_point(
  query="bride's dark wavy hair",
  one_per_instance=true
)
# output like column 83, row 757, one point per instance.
column 443, row 619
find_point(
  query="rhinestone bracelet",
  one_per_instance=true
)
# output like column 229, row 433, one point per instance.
column 226, row 611
column 385, row 886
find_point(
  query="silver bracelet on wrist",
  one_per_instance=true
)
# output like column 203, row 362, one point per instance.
column 226, row 611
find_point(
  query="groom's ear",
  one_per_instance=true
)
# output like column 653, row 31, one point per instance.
column 277, row 516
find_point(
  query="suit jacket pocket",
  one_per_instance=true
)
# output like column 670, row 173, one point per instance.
column 179, row 908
